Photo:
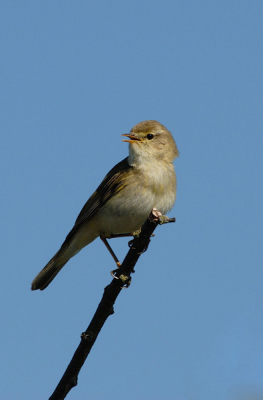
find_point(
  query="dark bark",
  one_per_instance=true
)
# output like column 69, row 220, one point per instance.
column 105, row 308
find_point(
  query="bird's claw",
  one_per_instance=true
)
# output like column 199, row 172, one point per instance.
column 114, row 273
column 126, row 280
column 155, row 215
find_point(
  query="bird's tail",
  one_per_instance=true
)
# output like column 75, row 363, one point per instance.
column 74, row 242
column 48, row 273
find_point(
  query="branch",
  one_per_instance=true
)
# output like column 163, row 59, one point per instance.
column 105, row 308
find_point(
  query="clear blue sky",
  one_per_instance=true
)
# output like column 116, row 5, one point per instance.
column 75, row 75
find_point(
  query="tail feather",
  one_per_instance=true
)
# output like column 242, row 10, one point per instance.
column 48, row 273
column 74, row 242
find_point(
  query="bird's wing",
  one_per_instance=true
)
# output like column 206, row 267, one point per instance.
column 111, row 185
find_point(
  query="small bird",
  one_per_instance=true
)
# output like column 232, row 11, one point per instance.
column 144, row 180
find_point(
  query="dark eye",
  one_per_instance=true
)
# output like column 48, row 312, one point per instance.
column 150, row 136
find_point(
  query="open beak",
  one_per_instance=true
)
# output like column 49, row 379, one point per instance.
column 132, row 138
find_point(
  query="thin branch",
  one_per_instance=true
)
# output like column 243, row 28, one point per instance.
column 105, row 308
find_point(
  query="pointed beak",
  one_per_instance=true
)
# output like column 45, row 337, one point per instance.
column 131, row 137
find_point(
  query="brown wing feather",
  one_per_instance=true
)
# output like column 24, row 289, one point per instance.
column 108, row 187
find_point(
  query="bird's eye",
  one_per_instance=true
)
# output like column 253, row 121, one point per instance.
column 149, row 136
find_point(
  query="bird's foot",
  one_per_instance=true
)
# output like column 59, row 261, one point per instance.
column 155, row 215
column 126, row 280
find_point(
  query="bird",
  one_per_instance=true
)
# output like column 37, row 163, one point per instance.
column 144, row 180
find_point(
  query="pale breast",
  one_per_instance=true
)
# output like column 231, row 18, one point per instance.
column 128, row 209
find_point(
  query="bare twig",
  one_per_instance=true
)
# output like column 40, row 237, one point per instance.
column 105, row 308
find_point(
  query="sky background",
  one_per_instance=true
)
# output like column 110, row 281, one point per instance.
column 74, row 77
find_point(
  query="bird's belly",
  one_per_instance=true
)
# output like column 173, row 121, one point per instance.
column 121, row 221
column 126, row 214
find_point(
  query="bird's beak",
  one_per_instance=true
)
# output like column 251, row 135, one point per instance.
column 132, row 138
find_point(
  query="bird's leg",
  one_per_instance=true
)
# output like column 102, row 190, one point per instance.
column 111, row 251
column 155, row 215
column 118, row 235
column 113, row 273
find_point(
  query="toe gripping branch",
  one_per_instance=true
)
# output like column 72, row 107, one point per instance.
column 138, row 246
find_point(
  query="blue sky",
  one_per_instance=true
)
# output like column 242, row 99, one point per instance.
column 74, row 77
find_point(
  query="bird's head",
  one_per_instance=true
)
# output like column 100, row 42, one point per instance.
column 151, row 140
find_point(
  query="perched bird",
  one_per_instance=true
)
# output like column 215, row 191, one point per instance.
column 144, row 180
